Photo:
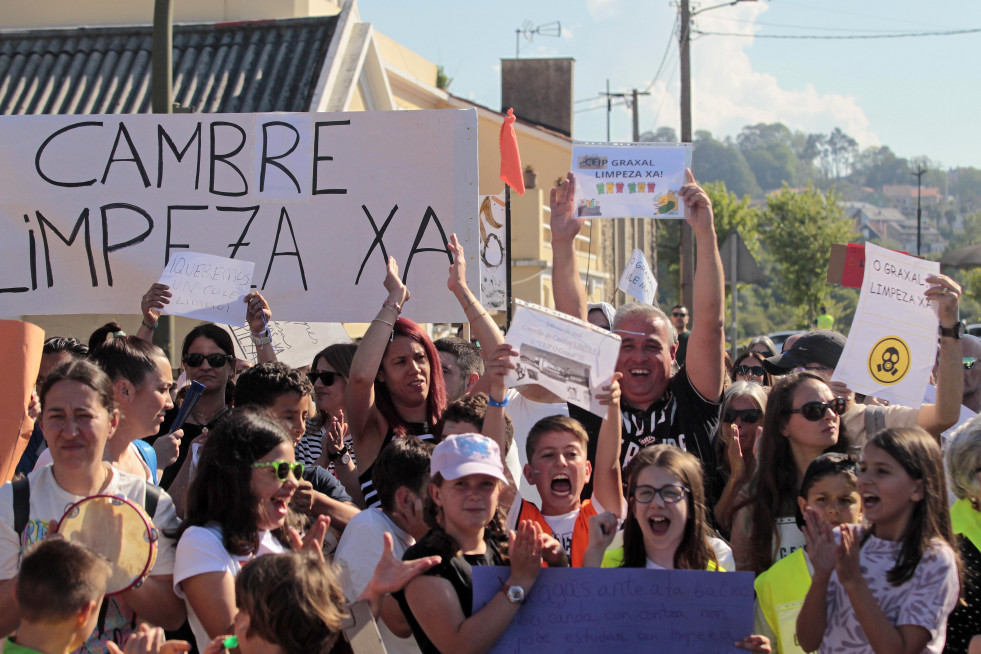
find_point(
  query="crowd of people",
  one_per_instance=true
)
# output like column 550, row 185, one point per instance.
column 385, row 470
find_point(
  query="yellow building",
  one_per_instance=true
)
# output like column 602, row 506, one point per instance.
column 346, row 66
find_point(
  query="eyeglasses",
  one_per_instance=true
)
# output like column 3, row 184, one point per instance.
column 748, row 416
column 326, row 377
column 678, row 314
column 216, row 360
column 756, row 371
column 969, row 362
column 282, row 468
column 814, row 411
column 670, row 494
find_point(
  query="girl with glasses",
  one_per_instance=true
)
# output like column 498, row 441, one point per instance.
column 667, row 524
column 749, row 367
column 237, row 509
column 801, row 422
column 741, row 422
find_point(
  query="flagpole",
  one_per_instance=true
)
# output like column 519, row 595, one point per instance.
column 507, row 258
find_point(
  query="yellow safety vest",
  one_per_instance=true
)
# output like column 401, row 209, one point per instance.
column 966, row 521
column 781, row 591
column 614, row 559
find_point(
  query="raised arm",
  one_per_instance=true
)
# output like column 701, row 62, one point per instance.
column 482, row 326
column 367, row 426
column 567, row 288
column 936, row 418
column 706, row 343
column 495, row 426
column 258, row 315
column 151, row 306
column 607, row 476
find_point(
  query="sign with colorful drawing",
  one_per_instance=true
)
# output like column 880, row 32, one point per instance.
column 630, row 180
column 493, row 253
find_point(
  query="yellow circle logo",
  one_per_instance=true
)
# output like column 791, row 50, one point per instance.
column 889, row 360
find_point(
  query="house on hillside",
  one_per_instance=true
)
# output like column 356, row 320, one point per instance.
column 903, row 196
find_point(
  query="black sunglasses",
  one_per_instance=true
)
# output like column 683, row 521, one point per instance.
column 756, row 371
column 748, row 416
column 216, row 360
column 678, row 314
column 326, row 377
column 814, row 411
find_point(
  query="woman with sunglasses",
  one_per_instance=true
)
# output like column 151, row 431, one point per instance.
column 396, row 384
column 735, row 440
column 802, row 421
column 667, row 524
column 237, row 509
column 749, row 367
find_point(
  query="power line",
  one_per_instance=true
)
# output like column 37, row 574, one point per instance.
column 840, row 37
column 669, row 48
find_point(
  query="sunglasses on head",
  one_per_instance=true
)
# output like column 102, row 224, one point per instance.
column 748, row 416
column 282, row 468
column 756, row 371
column 216, row 360
column 670, row 494
column 814, row 411
column 326, row 377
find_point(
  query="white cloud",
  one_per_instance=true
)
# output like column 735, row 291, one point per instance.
column 602, row 9
column 728, row 94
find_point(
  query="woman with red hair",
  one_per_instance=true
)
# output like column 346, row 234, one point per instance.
column 396, row 384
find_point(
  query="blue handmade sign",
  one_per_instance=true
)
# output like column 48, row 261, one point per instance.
column 579, row 610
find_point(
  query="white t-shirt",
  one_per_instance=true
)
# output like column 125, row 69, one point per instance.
column 48, row 504
column 45, row 459
column 359, row 551
column 201, row 550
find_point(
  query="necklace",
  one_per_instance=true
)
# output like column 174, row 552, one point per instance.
column 208, row 424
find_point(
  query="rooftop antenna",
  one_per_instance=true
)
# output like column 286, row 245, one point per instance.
column 529, row 31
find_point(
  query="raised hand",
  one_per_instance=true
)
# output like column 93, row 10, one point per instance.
column 525, row 552
column 457, row 280
column 153, row 302
column 397, row 292
column 167, row 448
column 946, row 293
column 564, row 224
column 699, row 214
column 258, row 313
column 392, row 574
column 820, row 540
column 609, row 394
column 313, row 539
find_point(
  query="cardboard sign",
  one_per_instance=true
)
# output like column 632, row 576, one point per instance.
column 638, row 279
column 295, row 343
column 569, row 357
column 95, row 206
column 207, row 287
column 847, row 264
column 892, row 344
column 624, row 610
column 20, row 356
column 493, row 253
column 630, row 180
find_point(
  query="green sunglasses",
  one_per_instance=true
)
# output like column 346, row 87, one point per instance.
column 283, row 468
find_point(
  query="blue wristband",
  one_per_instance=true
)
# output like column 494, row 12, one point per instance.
column 492, row 402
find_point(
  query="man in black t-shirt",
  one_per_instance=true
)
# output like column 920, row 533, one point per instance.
column 658, row 407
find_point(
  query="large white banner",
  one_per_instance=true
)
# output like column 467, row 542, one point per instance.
column 892, row 344
column 94, row 207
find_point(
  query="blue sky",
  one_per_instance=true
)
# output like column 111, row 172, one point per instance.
column 920, row 96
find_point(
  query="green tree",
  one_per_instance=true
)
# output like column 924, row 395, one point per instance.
column 715, row 161
column 798, row 230
column 662, row 135
column 769, row 151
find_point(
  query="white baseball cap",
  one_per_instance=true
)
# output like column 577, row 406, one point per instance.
column 467, row 454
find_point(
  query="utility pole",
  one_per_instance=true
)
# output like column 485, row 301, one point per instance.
column 920, row 170
column 687, row 237
column 162, row 102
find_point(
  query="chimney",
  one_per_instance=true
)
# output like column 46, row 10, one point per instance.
column 540, row 90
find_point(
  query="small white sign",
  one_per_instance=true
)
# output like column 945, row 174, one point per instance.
column 295, row 343
column 569, row 357
column 638, row 279
column 630, row 180
column 493, row 253
column 207, row 287
column 892, row 344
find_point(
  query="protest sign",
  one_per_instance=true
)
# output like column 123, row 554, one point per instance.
column 847, row 264
column 295, row 343
column 892, row 344
column 20, row 352
column 95, row 206
column 630, row 180
column 493, row 253
column 624, row 609
column 637, row 279
column 569, row 357
column 207, row 287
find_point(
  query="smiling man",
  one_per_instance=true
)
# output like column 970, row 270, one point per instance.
column 658, row 407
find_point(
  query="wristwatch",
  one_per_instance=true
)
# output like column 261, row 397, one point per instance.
column 343, row 454
column 954, row 332
column 515, row 594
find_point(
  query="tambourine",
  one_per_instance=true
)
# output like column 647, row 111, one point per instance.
column 117, row 529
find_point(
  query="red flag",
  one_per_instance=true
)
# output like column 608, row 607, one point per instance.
column 510, row 157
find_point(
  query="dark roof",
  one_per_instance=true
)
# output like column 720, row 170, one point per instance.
column 218, row 67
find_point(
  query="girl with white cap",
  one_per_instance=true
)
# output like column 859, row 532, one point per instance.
column 466, row 529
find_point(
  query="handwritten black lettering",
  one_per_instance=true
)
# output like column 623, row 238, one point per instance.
column 379, row 234
column 47, row 141
column 121, row 131
column 241, row 239
column 108, row 248
column 430, row 215
column 317, row 158
column 273, row 160
column 162, row 136
column 83, row 220
column 285, row 217
column 225, row 158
